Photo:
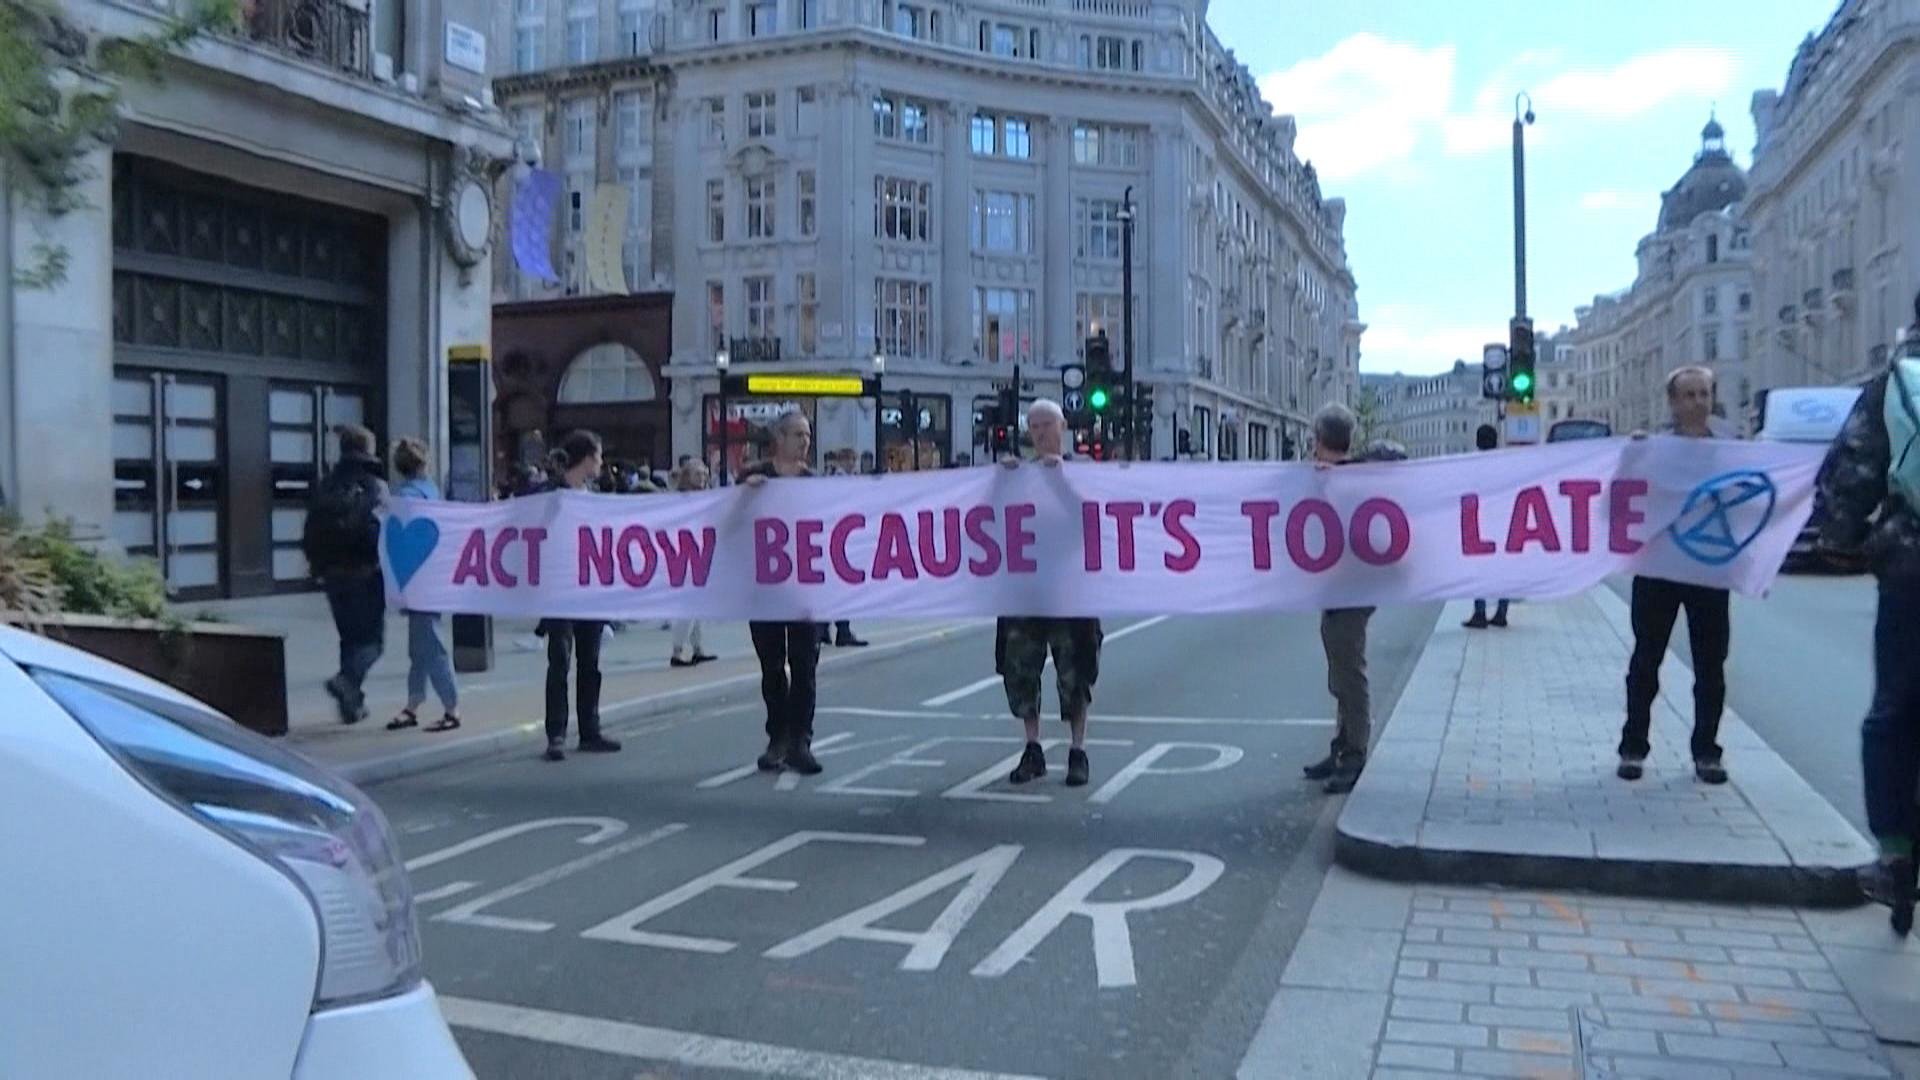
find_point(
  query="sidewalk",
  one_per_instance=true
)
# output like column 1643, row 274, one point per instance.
column 1497, row 767
column 1392, row 981
column 503, row 707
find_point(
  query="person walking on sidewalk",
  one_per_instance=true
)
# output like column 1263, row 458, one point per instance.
column 1656, row 605
column 574, row 644
column 341, row 541
column 789, row 652
column 1343, row 635
column 1021, row 645
column 427, row 659
column 691, row 476
column 1870, row 485
column 1487, row 438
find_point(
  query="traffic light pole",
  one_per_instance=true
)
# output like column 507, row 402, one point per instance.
column 1520, row 203
column 1126, row 319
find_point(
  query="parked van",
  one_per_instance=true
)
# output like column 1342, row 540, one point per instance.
column 1809, row 414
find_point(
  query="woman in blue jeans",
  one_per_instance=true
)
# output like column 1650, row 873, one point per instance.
column 427, row 657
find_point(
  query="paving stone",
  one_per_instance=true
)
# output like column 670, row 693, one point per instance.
column 1485, row 938
column 1528, row 997
column 1529, row 1066
column 1488, row 973
column 1581, row 980
column 1635, row 965
column 1734, row 973
column 1533, row 1041
column 1460, row 954
column 1423, row 1009
column 1822, row 981
column 1458, row 921
column 1735, row 938
column 1584, row 945
column 1343, row 958
column 1421, row 1031
column 1799, row 999
column 1508, row 1016
column 1803, row 1035
column 1471, row 993
column 1828, row 1061
column 1620, row 1041
column 1535, row 958
column 1715, row 1048
column 1777, row 958
column 1643, row 1020
column 1682, row 988
column 1673, row 950
column 1646, row 1068
column 1405, row 1055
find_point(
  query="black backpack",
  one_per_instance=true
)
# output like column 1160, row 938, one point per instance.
column 341, row 530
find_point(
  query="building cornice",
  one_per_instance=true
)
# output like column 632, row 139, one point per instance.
column 580, row 77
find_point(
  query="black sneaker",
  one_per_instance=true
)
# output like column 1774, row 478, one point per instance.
column 848, row 641
column 681, row 661
column 1033, row 765
column 1322, row 769
column 556, row 750
column 599, row 744
column 1710, row 772
column 1346, row 773
column 1478, row 622
column 1891, row 882
column 1498, row 622
column 801, row 760
column 1077, row 768
column 1631, row 767
column 776, row 755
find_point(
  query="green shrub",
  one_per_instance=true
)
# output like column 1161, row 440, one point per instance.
column 43, row 562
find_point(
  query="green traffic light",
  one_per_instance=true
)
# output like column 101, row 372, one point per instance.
column 1097, row 399
column 1522, row 382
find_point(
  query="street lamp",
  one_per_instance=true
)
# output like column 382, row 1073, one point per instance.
column 1522, row 115
column 1126, row 317
column 721, row 361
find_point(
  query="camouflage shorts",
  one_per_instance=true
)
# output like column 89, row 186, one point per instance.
column 1027, row 645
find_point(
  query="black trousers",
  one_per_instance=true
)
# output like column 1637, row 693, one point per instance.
column 573, row 643
column 789, row 653
column 1656, row 604
column 1890, row 735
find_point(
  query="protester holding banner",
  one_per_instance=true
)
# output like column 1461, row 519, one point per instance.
column 1657, row 603
column 1021, row 645
column 1872, row 493
column 427, row 659
column 1487, row 438
column 789, row 652
column 574, row 643
column 691, row 476
column 1343, row 635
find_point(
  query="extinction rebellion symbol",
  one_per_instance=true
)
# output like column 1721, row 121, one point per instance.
column 1724, row 515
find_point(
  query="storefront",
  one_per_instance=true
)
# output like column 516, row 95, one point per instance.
column 929, row 429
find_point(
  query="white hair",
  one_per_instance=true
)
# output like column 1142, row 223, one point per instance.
column 1046, row 407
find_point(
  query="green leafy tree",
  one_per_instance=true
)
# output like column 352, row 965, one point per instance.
column 60, row 96
column 1370, row 416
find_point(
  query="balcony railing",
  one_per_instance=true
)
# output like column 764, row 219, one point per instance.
column 1843, row 279
column 332, row 33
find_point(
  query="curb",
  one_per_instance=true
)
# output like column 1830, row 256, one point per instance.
column 614, row 718
column 1379, row 829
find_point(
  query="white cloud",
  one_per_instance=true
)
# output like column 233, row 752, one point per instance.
column 1417, row 342
column 1619, row 200
column 1370, row 103
column 1365, row 103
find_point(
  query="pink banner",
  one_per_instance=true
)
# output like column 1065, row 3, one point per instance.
column 1100, row 540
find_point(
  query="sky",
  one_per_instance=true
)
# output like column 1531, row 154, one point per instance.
column 1405, row 108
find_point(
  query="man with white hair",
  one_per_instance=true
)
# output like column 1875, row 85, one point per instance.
column 1022, row 644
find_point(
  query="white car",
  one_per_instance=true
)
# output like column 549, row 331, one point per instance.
column 180, row 897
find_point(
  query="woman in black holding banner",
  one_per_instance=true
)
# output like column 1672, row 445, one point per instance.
column 576, row 465
column 789, row 652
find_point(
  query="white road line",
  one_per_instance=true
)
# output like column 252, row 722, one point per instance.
column 1097, row 719
column 973, row 688
column 686, row 1048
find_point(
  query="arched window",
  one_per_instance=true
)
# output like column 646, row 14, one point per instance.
column 1086, row 51
column 608, row 372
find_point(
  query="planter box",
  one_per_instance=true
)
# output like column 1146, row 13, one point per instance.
column 239, row 671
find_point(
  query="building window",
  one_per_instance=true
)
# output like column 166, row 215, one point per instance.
column 1005, row 136
column 1099, row 228
column 634, row 35
column 716, row 211
column 527, row 126
column 807, row 292
column 1016, row 138
column 808, row 208
column 1746, row 302
column 902, row 119
column 716, row 23
column 1109, row 53
column 901, row 209
column 1139, row 54
column 1095, row 313
column 907, row 21
column 1086, row 51
column 1114, row 147
column 630, row 112
column 807, row 14
column 583, row 31
column 1003, row 222
column 760, row 307
column 1713, row 249
column 1003, row 325
column 761, row 18
column 1710, row 345
column 983, row 134
column 1005, row 39
column 902, row 317
column 529, row 34
column 760, row 206
column 716, row 316
column 633, row 247
column 716, row 130
column 761, row 109
column 577, row 204
column 580, row 131
column 806, row 112
column 1710, row 299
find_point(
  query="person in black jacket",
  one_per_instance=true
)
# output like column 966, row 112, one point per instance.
column 574, row 643
column 341, row 541
column 789, row 652
column 1343, row 635
column 1487, row 438
column 1865, row 513
column 1021, row 645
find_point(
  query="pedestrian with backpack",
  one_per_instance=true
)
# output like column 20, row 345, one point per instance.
column 1870, row 485
column 342, row 545
column 427, row 659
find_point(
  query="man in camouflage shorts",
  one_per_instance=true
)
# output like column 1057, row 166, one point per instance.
column 1022, row 645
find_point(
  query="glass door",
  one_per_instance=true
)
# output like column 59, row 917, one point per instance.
column 169, row 478
column 301, row 447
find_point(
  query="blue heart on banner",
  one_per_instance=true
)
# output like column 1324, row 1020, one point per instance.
column 409, row 545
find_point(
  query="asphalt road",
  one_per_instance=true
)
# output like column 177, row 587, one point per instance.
column 1800, row 673
column 668, row 912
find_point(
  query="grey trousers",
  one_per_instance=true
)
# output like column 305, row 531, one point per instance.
column 1343, row 631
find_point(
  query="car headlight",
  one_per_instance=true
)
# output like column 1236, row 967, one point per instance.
column 322, row 831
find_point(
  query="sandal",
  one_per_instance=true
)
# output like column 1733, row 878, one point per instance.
column 449, row 722
column 405, row 720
